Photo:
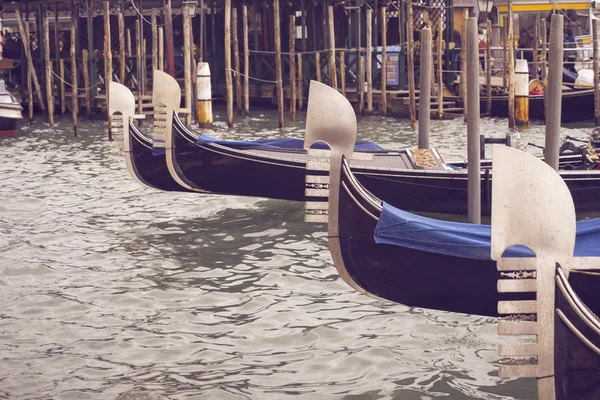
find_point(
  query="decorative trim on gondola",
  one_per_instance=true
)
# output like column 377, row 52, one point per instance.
column 317, row 186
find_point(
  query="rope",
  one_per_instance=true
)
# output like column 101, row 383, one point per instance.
column 67, row 83
column 250, row 77
column 145, row 20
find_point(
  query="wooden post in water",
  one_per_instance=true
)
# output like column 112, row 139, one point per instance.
column 63, row 101
column 30, row 67
column 187, row 64
column 246, row 62
column 169, row 35
column 440, row 45
column 49, row 77
column 75, row 87
column 536, row 45
column 129, row 52
column 86, row 85
column 161, row 49
column 332, row 70
column 236, row 60
column 425, row 88
column 463, row 65
column 318, row 65
column 143, row 62
column 107, row 56
column 511, row 67
column 121, row 23
column 369, row 60
column 153, row 20
column 412, row 109
column 555, row 68
column 300, row 71
column 488, row 68
column 228, row 82
column 473, row 131
column 29, row 84
column 278, row 77
column 596, row 72
column 544, row 63
column 343, row 71
column 139, row 72
column 361, row 85
column 292, row 45
column 505, row 54
column 384, row 61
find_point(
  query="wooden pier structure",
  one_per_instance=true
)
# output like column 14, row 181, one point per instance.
column 260, row 52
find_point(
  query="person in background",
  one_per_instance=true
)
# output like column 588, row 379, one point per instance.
column 570, row 56
column 526, row 42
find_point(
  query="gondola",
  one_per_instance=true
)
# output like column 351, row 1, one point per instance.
column 577, row 106
column 535, row 210
column 416, row 180
column 145, row 161
column 388, row 253
column 10, row 112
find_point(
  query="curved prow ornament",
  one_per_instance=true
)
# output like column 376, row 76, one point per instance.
column 123, row 103
column 166, row 99
column 532, row 207
column 330, row 119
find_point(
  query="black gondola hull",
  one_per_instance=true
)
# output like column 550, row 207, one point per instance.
column 576, row 106
column 149, row 169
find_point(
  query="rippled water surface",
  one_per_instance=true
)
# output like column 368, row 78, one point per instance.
column 112, row 290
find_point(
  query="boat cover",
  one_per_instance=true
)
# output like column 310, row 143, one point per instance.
column 284, row 143
column 458, row 239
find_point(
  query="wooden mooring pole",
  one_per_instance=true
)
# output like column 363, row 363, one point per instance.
column 278, row 73
column 425, row 88
column 29, row 86
column 488, row 68
column 369, row 60
column 129, row 51
column 384, row 61
column 318, row 65
column 75, row 87
column 63, row 101
column 343, row 72
column 536, row 45
column 596, row 72
column 463, row 66
column 169, row 35
column 555, row 71
column 228, row 82
column 361, row 85
column 511, row 67
column 161, row 49
column 440, row 70
column 236, row 60
column 473, row 130
column 246, row 62
column 292, row 46
column 121, row 23
column 154, row 40
column 544, row 63
column 49, row 77
column 187, row 64
column 300, row 73
column 86, row 85
column 505, row 54
column 30, row 67
column 107, row 56
column 139, row 71
column 332, row 69
column 411, row 66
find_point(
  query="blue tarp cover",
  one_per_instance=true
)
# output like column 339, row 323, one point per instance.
column 286, row 143
column 401, row 228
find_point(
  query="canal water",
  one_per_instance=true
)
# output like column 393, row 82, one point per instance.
column 112, row 290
